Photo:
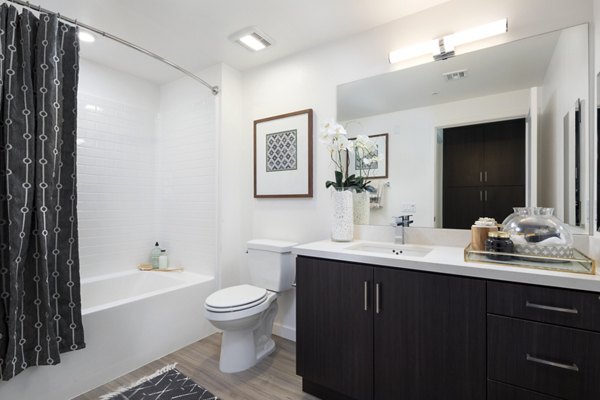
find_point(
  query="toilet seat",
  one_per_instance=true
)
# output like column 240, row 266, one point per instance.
column 235, row 298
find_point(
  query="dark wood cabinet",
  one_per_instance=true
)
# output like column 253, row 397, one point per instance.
column 554, row 360
column 502, row 391
column 366, row 332
column 335, row 332
column 426, row 323
column 570, row 308
column 483, row 172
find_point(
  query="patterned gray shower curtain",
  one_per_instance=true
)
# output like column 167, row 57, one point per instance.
column 40, row 307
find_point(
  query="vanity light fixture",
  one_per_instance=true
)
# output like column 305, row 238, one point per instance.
column 444, row 47
column 86, row 36
column 252, row 39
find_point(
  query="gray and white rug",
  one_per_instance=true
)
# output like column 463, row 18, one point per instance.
column 165, row 384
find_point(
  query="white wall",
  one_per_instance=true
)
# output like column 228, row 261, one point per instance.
column 309, row 79
column 565, row 82
column 232, row 171
column 413, row 148
column 187, row 174
column 116, row 141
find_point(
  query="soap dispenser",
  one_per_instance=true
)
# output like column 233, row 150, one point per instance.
column 155, row 256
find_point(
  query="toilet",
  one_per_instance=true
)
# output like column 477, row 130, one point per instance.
column 245, row 313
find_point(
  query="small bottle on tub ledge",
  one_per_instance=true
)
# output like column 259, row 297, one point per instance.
column 163, row 260
column 154, row 256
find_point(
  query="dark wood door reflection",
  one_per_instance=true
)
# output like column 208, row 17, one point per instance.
column 484, row 169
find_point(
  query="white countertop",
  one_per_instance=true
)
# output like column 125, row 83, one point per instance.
column 448, row 260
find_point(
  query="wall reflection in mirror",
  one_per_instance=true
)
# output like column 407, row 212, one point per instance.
column 480, row 133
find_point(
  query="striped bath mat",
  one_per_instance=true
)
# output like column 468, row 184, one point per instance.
column 165, row 384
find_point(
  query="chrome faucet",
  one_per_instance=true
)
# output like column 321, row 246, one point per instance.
column 400, row 223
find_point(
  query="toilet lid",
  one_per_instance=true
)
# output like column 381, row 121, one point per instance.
column 236, row 296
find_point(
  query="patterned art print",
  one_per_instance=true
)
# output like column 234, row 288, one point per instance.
column 359, row 161
column 282, row 151
column 377, row 169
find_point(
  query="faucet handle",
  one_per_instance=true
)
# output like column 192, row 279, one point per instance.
column 402, row 220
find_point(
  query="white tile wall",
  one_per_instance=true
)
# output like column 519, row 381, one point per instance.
column 146, row 172
column 116, row 184
column 187, row 183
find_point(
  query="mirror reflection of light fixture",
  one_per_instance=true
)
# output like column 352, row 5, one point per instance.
column 444, row 47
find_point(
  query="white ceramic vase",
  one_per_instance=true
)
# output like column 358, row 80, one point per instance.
column 362, row 209
column 342, row 226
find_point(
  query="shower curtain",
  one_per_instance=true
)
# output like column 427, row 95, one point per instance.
column 40, row 307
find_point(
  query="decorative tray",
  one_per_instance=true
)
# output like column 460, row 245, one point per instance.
column 580, row 263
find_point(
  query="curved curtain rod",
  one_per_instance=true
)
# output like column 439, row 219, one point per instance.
column 214, row 89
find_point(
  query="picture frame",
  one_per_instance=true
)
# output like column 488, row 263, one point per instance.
column 381, row 170
column 283, row 155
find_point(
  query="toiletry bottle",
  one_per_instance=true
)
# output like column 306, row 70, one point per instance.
column 163, row 260
column 154, row 256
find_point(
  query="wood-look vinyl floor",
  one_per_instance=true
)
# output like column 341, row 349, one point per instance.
column 274, row 378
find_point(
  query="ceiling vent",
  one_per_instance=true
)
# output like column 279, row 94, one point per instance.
column 455, row 75
column 252, row 39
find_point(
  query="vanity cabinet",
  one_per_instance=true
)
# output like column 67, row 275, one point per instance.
column 367, row 332
column 543, row 339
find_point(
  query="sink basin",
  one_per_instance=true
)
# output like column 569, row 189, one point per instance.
column 391, row 249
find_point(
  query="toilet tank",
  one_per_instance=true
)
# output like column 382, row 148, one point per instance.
column 271, row 264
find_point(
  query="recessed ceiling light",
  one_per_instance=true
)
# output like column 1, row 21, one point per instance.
column 87, row 37
column 252, row 39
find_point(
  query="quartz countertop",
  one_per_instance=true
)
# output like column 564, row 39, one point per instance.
column 447, row 260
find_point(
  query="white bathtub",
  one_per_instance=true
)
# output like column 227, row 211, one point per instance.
column 130, row 319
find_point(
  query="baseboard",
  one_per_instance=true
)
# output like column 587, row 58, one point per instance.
column 284, row 331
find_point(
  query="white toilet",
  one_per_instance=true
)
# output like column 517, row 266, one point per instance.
column 245, row 313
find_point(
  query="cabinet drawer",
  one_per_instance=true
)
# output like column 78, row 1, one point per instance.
column 555, row 360
column 502, row 391
column 543, row 304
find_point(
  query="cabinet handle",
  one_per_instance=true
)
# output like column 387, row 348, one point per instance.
column 550, row 308
column 485, row 191
column 480, row 176
column 570, row 367
column 481, row 195
column 366, row 291
column 485, row 177
column 377, row 300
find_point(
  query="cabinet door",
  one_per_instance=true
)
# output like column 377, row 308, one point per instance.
column 500, row 200
column 429, row 337
column 462, row 206
column 334, row 343
column 463, row 152
column 504, row 153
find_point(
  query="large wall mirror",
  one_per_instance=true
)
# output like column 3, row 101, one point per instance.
column 480, row 133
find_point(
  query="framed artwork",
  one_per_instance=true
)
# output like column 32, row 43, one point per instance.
column 379, row 168
column 283, row 155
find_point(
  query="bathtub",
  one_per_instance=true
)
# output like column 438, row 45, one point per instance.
column 130, row 318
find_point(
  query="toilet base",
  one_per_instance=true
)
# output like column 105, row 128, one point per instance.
column 243, row 349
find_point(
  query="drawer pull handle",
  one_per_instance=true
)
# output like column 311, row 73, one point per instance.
column 570, row 367
column 377, row 305
column 366, row 290
column 550, row 308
